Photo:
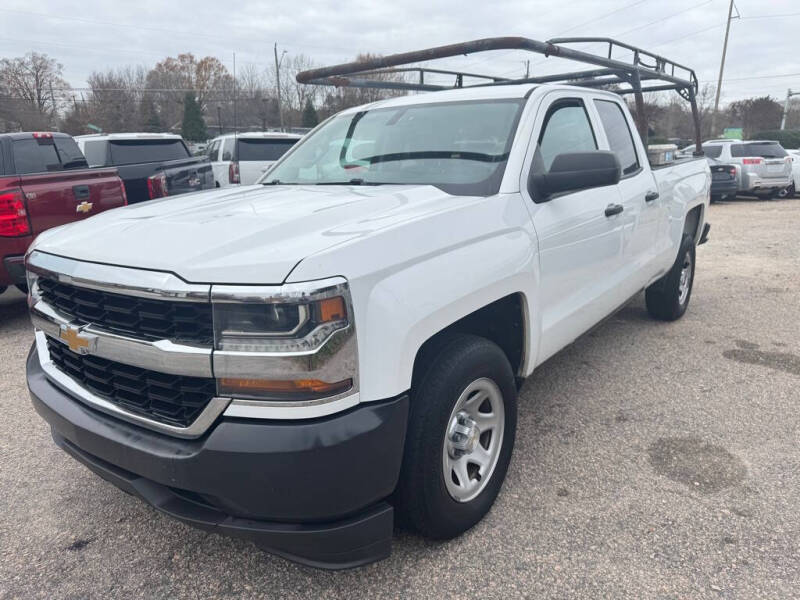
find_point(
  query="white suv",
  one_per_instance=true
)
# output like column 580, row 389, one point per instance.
column 243, row 157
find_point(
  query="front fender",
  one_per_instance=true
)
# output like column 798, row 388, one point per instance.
column 411, row 281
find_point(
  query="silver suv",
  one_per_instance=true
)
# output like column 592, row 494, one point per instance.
column 764, row 168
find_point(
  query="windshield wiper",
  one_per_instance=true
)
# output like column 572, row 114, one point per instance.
column 354, row 181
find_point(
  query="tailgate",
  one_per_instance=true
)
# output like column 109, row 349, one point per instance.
column 776, row 167
column 189, row 178
column 65, row 196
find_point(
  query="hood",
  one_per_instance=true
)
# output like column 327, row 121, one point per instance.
column 249, row 235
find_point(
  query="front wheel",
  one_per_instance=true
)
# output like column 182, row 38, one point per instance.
column 460, row 436
column 668, row 298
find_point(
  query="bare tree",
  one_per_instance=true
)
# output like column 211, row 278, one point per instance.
column 173, row 77
column 115, row 98
column 33, row 89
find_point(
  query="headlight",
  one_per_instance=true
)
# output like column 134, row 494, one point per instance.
column 277, row 327
column 289, row 343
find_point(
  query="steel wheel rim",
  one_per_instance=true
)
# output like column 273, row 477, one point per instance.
column 685, row 281
column 473, row 439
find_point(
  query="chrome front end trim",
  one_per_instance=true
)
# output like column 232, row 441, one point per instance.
column 287, row 293
column 334, row 359
column 311, row 409
column 205, row 419
column 162, row 355
column 156, row 285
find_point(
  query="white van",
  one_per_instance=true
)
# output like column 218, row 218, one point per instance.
column 243, row 157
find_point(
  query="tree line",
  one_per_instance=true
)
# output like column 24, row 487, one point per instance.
column 200, row 98
column 197, row 96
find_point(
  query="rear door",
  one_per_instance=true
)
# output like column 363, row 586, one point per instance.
column 644, row 211
column 255, row 155
column 580, row 248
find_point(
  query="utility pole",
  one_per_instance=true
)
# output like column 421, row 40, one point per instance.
column 527, row 69
column 278, row 82
column 789, row 95
column 219, row 119
column 721, row 69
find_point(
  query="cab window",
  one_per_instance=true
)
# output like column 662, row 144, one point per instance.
column 566, row 129
column 618, row 133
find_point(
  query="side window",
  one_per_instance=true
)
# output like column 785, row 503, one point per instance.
column 227, row 149
column 212, row 150
column 95, row 153
column 713, row 150
column 620, row 138
column 566, row 129
column 71, row 156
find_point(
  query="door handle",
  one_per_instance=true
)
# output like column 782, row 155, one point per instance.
column 650, row 196
column 81, row 192
column 614, row 209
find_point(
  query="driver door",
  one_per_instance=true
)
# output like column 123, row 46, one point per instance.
column 580, row 245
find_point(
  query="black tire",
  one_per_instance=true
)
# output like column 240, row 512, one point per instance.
column 715, row 198
column 767, row 196
column 22, row 287
column 788, row 192
column 422, row 500
column 3, row 288
column 664, row 298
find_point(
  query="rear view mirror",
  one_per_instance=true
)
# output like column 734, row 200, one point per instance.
column 575, row 171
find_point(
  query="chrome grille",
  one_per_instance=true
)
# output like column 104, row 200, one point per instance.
column 143, row 318
column 170, row 399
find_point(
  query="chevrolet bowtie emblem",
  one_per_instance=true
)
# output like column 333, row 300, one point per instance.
column 84, row 207
column 77, row 340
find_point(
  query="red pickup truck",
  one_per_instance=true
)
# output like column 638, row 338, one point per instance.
column 44, row 182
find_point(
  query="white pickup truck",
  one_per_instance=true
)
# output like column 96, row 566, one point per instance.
column 295, row 361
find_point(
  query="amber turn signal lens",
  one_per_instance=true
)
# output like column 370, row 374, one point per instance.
column 287, row 388
column 332, row 309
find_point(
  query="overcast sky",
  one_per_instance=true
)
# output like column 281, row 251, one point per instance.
column 763, row 52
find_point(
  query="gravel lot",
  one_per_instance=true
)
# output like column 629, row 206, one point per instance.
column 652, row 461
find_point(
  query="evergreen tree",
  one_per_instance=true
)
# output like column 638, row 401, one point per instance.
column 310, row 118
column 193, row 128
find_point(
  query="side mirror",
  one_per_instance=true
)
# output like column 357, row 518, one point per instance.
column 575, row 171
column 226, row 155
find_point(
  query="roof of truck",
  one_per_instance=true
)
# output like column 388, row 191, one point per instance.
column 129, row 136
column 515, row 91
column 23, row 135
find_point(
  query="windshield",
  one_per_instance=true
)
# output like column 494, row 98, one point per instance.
column 460, row 147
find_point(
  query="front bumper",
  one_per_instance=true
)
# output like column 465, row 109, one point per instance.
column 312, row 491
column 724, row 188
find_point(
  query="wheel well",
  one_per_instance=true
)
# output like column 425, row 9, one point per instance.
column 692, row 222
column 502, row 321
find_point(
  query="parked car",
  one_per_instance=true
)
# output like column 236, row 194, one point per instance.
column 763, row 167
column 45, row 182
column 792, row 190
column 294, row 362
column 242, row 158
column 152, row 165
column 724, row 177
